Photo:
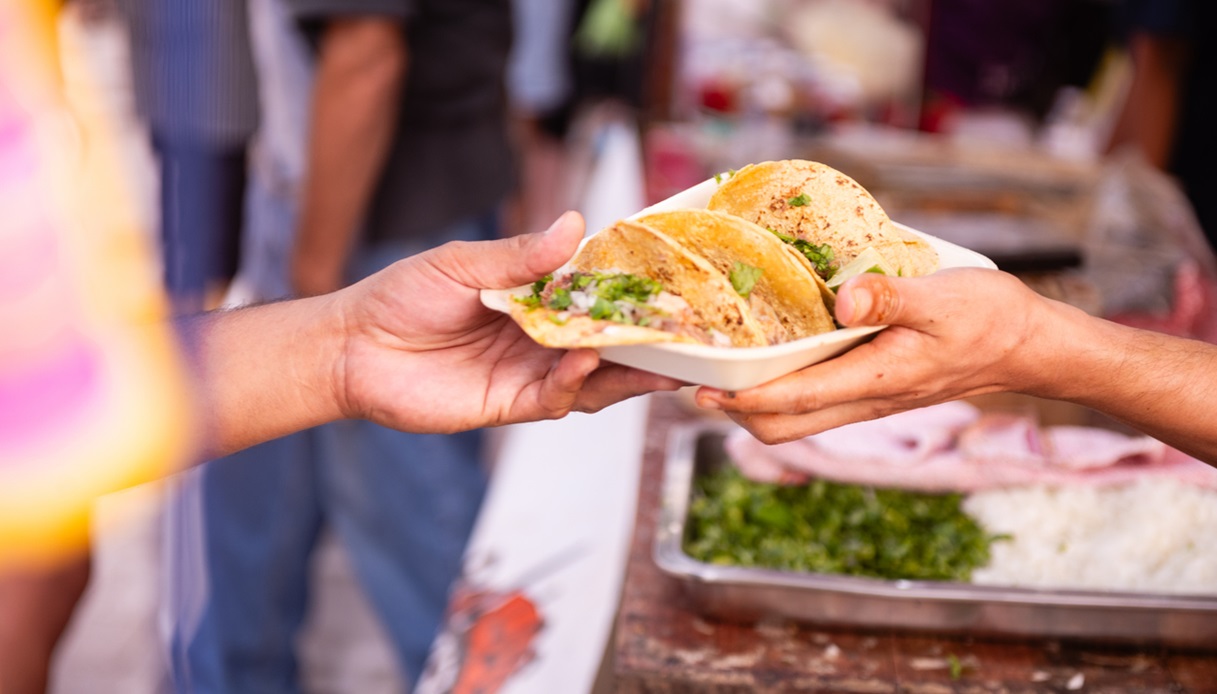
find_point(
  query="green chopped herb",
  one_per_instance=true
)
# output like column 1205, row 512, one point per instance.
column 720, row 177
column 743, row 278
column 821, row 256
column 558, row 319
column 560, row 299
column 610, row 293
column 534, row 300
column 625, row 286
column 876, row 270
column 826, row 527
column 605, row 310
column 539, row 285
column 800, row 200
column 580, row 280
column 531, row 301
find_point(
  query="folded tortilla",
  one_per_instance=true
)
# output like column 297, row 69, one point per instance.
column 816, row 203
column 786, row 297
column 698, row 304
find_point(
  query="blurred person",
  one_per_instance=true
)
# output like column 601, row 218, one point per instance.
column 960, row 333
column 1171, row 105
column 90, row 385
column 195, row 87
column 539, row 86
column 456, row 367
column 192, row 77
column 407, row 149
column 36, row 606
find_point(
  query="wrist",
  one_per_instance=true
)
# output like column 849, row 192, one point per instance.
column 323, row 350
column 1070, row 353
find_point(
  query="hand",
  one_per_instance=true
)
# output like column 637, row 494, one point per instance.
column 423, row 354
column 954, row 334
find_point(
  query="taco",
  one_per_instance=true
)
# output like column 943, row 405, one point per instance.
column 630, row 284
column 782, row 290
column 822, row 213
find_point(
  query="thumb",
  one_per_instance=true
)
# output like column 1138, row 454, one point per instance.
column 872, row 299
column 518, row 260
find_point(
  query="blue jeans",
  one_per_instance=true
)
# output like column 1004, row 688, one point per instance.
column 402, row 504
column 202, row 201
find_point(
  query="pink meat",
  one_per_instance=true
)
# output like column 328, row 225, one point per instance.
column 903, row 439
column 952, row 448
column 1010, row 439
column 1087, row 448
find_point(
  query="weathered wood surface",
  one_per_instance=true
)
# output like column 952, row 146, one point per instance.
column 663, row 646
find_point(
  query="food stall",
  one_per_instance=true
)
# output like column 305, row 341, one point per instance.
column 1029, row 610
column 1085, row 583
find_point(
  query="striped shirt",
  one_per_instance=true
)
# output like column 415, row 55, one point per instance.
column 193, row 69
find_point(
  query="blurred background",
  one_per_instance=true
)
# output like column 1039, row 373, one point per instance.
column 1068, row 140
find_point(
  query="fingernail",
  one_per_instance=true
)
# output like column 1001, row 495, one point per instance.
column 556, row 225
column 708, row 404
column 857, row 307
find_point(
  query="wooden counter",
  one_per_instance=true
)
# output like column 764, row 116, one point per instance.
column 662, row 646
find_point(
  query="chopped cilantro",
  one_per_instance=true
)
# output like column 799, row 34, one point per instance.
column 609, row 292
column 826, row 527
column 624, row 286
column 800, row 200
column 560, row 299
column 539, row 285
column 743, row 278
column 580, row 281
column 558, row 318
column 821, row 256
column 605, row 310
column 720, row 177
column 534, row 300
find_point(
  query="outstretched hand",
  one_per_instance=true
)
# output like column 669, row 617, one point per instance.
column 422, row 353
column 954, row 334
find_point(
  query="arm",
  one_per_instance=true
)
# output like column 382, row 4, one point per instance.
column 961, row 333
column 367, row 351
column 360, row 74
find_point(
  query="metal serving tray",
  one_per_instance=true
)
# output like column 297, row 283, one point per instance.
column 750, row 594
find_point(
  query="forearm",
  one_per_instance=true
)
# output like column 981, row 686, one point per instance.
column 267, row 371
column 1161, row 385
column 356, row 95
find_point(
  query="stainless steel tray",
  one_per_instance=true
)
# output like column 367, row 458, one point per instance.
column 749, row 594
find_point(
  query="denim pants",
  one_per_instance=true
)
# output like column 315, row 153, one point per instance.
column 202, row 201
column 403, row 505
